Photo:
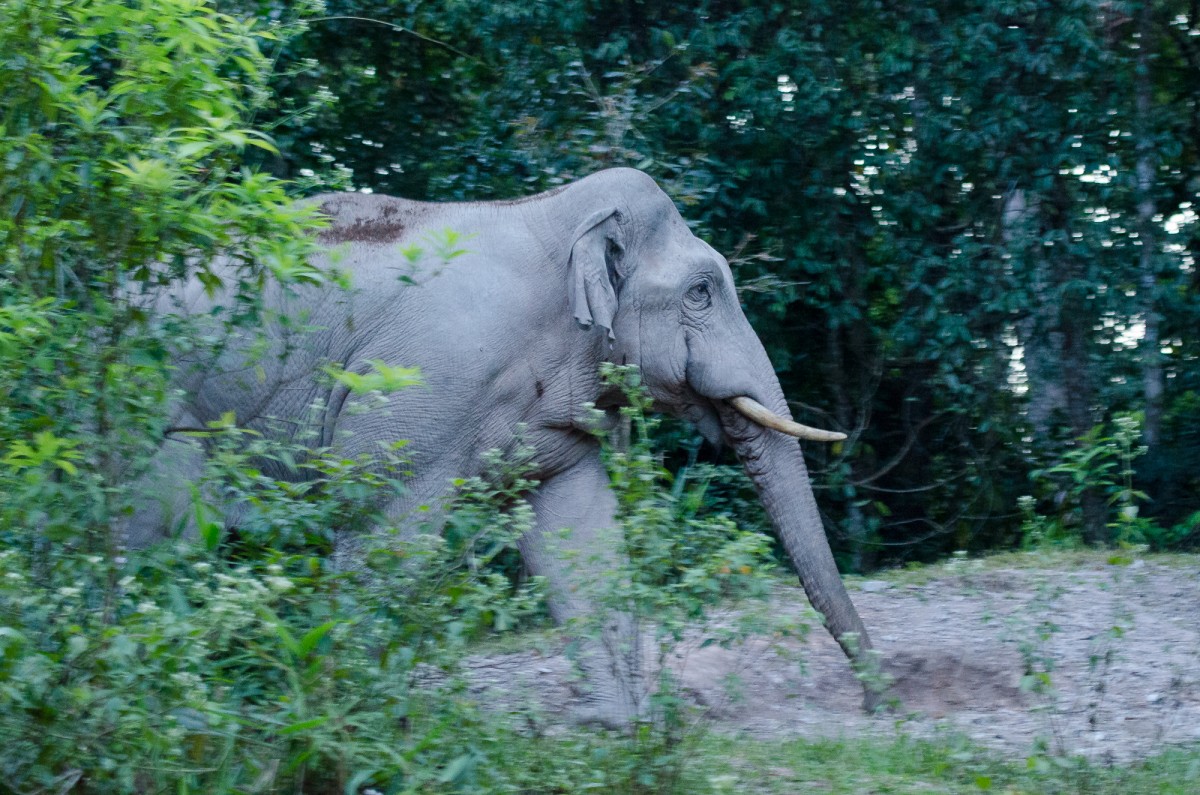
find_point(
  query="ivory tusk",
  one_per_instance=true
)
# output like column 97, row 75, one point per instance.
column 757, row 412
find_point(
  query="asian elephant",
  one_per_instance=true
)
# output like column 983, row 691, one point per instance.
column 512, row 333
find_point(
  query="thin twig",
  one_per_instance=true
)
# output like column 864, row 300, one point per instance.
column 402, row 29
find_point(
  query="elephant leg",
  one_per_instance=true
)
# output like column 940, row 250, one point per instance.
column 575, row 547
column 162, row 504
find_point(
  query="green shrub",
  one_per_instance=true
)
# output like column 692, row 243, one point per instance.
column 248, row 662
column 251, row 663
column 689, row 577
column 122, row 143
column 1100, row 462
column 242, row 662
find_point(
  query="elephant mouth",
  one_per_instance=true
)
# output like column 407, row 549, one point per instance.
column 759, row 414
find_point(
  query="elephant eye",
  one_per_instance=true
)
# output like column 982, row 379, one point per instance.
column 699, row 296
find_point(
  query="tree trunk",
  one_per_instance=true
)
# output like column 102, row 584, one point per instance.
column 1041, row 339
column 1152, row 370
column 855, row 524
column 1077, row 379
column 1056, row 335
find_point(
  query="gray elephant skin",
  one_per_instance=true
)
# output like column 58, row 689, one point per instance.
column 512, row 333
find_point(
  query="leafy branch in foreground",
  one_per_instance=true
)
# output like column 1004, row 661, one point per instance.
column 123, row 141
column 249, row 661
column 689, row 578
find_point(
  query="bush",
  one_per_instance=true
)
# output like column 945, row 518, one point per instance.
column 245, row 662
column 247, row 667
column 121, row 145
column 1102, row 462
column 689, row 578
column 248, row 662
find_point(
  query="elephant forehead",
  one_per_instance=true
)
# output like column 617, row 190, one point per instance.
column 719, row 258
column 667, row 269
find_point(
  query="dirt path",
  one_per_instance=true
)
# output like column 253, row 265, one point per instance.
column 1120, row 646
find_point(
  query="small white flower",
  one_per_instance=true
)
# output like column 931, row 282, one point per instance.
column 279, row 584
column 254, row 587
column 68, row 591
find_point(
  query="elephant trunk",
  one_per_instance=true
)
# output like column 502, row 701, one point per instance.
column 776, row 465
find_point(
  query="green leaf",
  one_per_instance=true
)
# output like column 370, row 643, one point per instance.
column 76, row 645
column 313, row 637
column 281, row 631
column 385, row 378
column 356, row 781
column 208, row 523
column 457, row 767
column 193, row 149
column 304, row 725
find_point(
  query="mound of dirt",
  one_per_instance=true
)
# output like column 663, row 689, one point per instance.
column 1099, row 660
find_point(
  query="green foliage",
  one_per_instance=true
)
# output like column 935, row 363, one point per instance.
column 123, row 134
column 245, row 662
column 683, row 558
column 1104, row 463
column 386, row 378
column 123, row 139
column 944, row 764
column 681, row 564
column 248, row 661
column 855, row 162
column 252, row 663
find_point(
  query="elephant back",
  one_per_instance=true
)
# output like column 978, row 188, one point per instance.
column 368, row 219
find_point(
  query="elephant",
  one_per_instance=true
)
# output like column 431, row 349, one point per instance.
column 513, row 333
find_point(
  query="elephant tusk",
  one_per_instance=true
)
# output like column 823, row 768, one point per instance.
column 757, row 412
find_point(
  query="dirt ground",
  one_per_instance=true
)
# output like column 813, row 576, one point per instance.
column 1120, row 645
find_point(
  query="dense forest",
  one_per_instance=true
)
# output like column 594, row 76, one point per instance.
column 965, row 232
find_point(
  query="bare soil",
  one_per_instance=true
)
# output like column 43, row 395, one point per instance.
column 1119, row 647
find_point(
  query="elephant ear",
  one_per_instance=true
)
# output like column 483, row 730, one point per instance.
column 593, row 271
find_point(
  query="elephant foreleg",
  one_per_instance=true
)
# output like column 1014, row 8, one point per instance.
column 575, row 546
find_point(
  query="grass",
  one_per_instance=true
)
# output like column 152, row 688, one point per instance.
column 1040, row 559
column 944, row 765
column 900, row 765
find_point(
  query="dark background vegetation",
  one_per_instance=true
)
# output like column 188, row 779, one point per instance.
column 964, row 230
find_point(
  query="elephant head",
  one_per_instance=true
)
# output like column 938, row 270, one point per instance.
column 666, row 301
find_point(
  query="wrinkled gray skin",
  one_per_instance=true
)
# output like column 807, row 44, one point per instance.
column 512, row 333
